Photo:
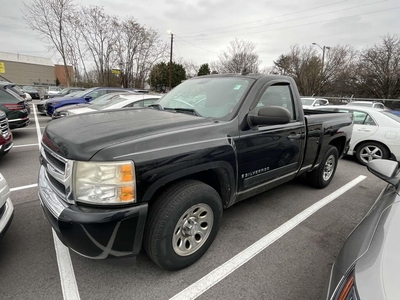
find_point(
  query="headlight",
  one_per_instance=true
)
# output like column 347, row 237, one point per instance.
column 105, row 183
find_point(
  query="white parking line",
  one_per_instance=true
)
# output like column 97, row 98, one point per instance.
column 23, row 187
column 26, row 145
column 65, row 268
column 202, row 285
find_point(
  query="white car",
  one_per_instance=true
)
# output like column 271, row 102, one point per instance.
column 6, row 206
column 376, row 132
column 108, row 103
column 28, row 97
column 367, row 104
column 313, row 102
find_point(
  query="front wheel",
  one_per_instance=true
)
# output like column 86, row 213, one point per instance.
column 182, row 224
column 322, row 176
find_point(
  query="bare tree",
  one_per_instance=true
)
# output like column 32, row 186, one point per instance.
column 379, row 69
column 49, row 18
column 99, row 31
column 240, row 55
column 304, row 65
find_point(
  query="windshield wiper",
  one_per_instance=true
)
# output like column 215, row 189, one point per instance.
column 184, row 110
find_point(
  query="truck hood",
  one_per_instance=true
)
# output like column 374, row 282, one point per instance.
column 82, row 136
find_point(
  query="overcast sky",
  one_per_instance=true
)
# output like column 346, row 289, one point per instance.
column 204, row 28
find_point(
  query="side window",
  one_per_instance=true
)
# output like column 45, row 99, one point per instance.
column 359, row 117
column 278, row 95
column 369, row 121
column 149, row 102
column 137, row 104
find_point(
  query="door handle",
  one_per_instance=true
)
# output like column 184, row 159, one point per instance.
column 364, row 130
column 294, row 136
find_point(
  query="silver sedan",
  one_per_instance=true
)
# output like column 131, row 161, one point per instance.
column 368, row 265
column 6, row 206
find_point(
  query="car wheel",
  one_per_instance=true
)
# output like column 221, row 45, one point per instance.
column 182, row 224
column 322, row 176
column 371, row 150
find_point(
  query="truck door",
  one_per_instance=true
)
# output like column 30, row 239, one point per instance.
column 271, row 153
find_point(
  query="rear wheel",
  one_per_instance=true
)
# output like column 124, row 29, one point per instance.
column 182, row 224
column 371, row 150
column 322, row 176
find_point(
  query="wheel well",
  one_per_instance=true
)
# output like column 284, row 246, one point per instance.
column 371, row 141
column 218, row 179
column 339, row 143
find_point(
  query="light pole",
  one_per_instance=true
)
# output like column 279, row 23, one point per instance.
column 170, row 60
column 322, row 67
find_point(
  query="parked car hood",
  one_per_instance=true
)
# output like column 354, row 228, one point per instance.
column 59, row 99
column 80, row 110
column 377, row 271
column 82, row 136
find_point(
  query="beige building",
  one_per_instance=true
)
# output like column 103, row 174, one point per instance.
column 27, row 70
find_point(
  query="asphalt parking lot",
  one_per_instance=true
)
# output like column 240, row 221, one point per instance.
column 292, row 265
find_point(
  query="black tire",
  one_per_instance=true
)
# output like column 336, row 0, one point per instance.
column 368, row 151
column 322, row 176
column 167, row 224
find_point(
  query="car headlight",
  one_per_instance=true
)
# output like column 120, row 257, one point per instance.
column 105, row 183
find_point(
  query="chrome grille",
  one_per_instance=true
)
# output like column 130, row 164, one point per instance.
column 54, row 160
column 56, row 173
column 4, row 128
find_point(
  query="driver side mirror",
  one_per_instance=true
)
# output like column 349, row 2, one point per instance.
column 387, row 170
column 88, row 98
column 270, row 115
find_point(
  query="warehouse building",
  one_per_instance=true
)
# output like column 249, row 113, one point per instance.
column 30, row 70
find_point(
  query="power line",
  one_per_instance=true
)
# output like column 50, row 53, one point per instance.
column 305, row 24
column 295, row 12
column 295, row 19
column 195, row 45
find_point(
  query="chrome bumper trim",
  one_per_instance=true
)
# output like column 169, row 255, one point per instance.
column 6, row 215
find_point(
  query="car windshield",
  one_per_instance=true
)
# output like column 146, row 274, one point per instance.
column 105, row 101
column 210, row 97
column 73, row 94
column 29, row 88
column 391, row 115
column 307, row 101
column 64, row 91
column 84, row 93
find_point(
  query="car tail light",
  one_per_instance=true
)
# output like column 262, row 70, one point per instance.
column 347, row 288
column 14, row 106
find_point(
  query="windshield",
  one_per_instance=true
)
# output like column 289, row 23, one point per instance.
column 83, row 93
column 208, row 97
column 29, row 88
column 307, row 101
column 106, row 101
column 64, row 91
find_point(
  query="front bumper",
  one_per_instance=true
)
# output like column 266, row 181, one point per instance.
column 6, row 215
column 18, row 123
column 41, row 108
column 93, row 232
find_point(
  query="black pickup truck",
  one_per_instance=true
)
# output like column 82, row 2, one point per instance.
column 112, row 183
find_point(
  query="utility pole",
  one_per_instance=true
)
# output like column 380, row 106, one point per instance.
column 170, row 61
column 322, row 66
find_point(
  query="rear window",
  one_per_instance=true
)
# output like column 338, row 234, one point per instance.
column 8, row 97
